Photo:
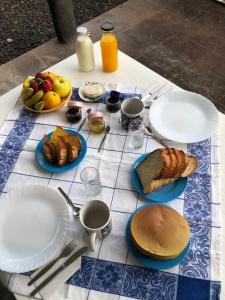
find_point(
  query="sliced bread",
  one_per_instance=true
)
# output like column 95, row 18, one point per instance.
column 150, row 168
column 192, row 164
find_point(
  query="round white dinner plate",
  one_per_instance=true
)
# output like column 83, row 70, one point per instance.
column 34, row 224
column 183, row 117
column 87, row 99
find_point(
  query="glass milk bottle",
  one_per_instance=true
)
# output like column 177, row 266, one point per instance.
column 109, row 48
column 84, row 49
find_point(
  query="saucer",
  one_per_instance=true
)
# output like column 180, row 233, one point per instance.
column 147, row 261
column 57, row 169
column 87, row 99
column 166, row 193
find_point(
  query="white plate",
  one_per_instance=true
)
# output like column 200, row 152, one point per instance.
column 85, row 98
column 34, row 224
column 183, row 117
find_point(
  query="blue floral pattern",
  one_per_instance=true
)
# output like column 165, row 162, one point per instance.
column 202, row 151
column 215, row 288
column 144, row 283
column 108, row 277
column 14, row 143
column 196, row 264
column 197, row 210
column 84, row 275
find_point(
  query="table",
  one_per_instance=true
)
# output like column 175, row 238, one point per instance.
column 130, row 73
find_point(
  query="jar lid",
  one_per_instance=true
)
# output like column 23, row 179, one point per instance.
column 82, row 30
column 75, row 104
column 107, row 26
column 96, row 114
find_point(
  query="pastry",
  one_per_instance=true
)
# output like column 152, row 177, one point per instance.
column 93, row 90
column 160, row 232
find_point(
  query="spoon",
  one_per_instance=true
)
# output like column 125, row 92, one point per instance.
column 85, row 118
column 75, row 209
column 107, row 129
column 149, row 132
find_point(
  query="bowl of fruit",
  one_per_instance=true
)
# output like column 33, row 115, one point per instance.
column 46, row 92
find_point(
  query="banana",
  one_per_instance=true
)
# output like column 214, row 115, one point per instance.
column 26, row 93
column 27, row 82
column 39, row 105
column 34, row 99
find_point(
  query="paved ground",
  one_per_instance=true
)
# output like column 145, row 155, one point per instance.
column 28, row 24
column 182, row 40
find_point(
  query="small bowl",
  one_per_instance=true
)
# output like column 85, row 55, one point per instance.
column 73, row 113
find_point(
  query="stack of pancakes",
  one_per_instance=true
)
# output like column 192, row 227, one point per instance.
column 159, row 232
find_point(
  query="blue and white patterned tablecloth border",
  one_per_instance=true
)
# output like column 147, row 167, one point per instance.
column 193, row 281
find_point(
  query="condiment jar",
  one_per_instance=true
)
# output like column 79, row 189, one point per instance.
column 113, row 103
column 96, row 122
column 84, row 49
column 73, row 113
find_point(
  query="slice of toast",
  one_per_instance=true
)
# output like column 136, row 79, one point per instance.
column 61, row 151
column 150, row 168
column 167, row 161
column 49, row 151
column 192, row 164
column 173, row 164
column 156, row 184
column 181, row 162
column 73, row 145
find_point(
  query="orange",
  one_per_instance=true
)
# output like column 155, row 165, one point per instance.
column 51, row 100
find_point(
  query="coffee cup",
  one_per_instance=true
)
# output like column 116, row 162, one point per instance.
column 95, row 218
column 131, row 109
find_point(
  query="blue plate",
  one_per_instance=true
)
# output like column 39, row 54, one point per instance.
column 147, row 261
column 166, row 193
column 56, row 169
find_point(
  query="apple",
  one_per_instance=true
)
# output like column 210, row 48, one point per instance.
column 41, row 75
column 46, row 86
column 35, row 86
column 61, row 86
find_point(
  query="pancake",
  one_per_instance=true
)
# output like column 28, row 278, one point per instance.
column 159, row 232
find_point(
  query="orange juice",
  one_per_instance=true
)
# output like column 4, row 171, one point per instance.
column 109, row 48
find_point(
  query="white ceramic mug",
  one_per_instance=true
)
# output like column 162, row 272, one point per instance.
column 131, row 109
column 95, row 218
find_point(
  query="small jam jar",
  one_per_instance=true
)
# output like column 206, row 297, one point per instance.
column 73, row 113
column 113, row 103
column 96, row 122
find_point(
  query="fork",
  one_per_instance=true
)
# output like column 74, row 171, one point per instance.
column 65, row 252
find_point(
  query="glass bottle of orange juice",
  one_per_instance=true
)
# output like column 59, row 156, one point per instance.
column 109, row 48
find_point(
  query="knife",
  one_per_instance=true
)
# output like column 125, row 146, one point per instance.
column 70, row 260
column 106, row 132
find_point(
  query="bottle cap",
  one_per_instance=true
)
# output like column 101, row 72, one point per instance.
column 95, row 115
column 82, row 30
column 115, row 95
column 107, row 26
column 76, row 104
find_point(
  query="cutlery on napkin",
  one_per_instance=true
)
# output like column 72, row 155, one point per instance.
column 56, row 283
column 67, row 250
column 5, row 294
